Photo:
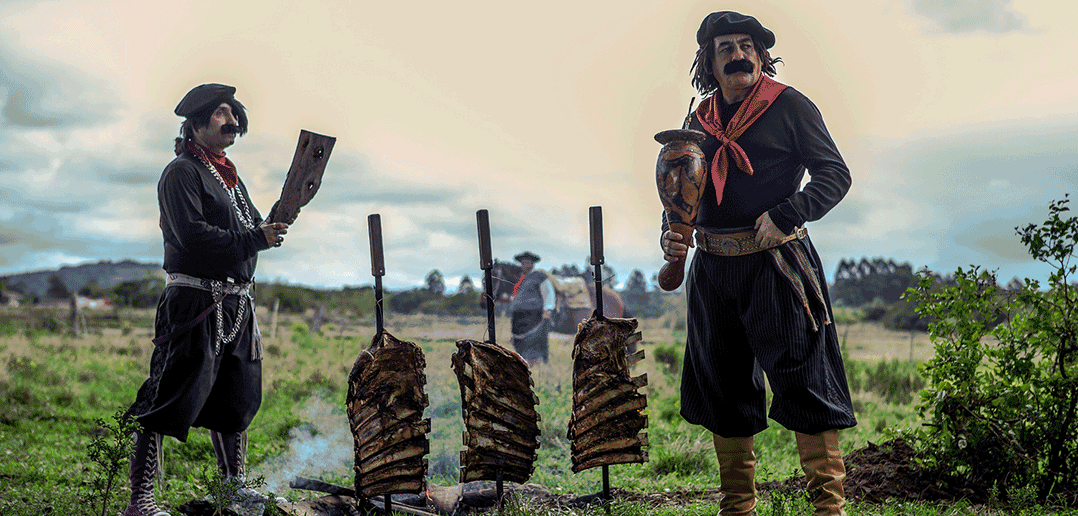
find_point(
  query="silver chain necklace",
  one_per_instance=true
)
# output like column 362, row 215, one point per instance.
column 243, row 214
column 218, row 289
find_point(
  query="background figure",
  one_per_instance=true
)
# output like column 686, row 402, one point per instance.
column 531, row 305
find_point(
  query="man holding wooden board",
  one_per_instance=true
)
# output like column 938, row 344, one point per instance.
column 206, row 368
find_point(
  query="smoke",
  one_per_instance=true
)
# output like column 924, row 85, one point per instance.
column 321, row 446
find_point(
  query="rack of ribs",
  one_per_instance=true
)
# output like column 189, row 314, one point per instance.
column 605, row 427
column 385, row 411
column 501, row 424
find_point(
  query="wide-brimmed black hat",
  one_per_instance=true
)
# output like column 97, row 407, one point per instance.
column 526, row 255
column 201, row 97
column 728, row 22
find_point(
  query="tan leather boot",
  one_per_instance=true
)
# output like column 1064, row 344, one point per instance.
column 821, row 458
column 737, row 475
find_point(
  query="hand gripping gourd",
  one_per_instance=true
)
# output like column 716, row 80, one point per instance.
column 680, row 173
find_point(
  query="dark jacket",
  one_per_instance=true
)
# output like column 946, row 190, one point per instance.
column 788, row 138
column 203, row 235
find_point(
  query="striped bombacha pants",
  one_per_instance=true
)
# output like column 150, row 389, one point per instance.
column 746, row 319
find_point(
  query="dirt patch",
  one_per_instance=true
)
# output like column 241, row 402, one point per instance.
column 875, row 473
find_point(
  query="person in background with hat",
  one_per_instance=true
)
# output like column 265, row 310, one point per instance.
column 206, row 367
column 757, row 299
column 531, row 305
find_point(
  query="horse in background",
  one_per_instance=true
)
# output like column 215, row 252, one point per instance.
column 575, row 297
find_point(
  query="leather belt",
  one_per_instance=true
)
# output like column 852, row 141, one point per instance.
column 186, row 280
column 740, row 242
column 218, row 289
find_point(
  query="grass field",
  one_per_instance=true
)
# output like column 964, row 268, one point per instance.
column 55, row 389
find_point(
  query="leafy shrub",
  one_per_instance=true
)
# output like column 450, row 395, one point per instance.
column 875, row 313
column 902, row 315
column 670, row 356
column 895, row 380
column 108, row 451
column 1005, row 413
column 141, row 293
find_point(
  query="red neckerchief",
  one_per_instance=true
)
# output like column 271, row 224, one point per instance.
column 516, row 287
column 709, row 113
column 224, row 166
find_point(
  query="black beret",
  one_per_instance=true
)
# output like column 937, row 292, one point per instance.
column 201, row 97
column 526, row 255
column 729, row 22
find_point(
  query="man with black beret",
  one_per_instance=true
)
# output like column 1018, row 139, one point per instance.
column 531, row 305
column 757, row 298
column 206, row 368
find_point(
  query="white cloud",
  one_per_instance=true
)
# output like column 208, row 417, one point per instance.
column 963, row 16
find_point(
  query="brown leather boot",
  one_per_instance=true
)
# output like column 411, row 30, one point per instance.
column 737, row 475
column 144, row 456
column 821, row 458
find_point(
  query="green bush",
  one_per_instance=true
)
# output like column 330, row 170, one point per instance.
column 1005, row 413
column 670, row 356
column 896, row 381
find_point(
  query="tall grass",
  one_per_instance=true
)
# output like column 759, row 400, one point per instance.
column 54, row 388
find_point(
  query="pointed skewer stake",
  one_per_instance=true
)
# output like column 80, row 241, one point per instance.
column 596, row 222
column 378, row 269
column 595, row 216
column 482, row 220
column 378, row 266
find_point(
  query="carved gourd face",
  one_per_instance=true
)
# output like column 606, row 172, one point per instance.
column 680, row 174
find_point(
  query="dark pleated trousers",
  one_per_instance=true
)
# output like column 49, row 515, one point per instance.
column 745, row 321
column 536, row 344
column 189, row 383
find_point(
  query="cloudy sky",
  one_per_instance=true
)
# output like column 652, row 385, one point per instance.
column 957, row 118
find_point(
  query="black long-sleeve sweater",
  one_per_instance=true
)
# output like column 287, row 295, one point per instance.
column 203, row 235
column 787, row 139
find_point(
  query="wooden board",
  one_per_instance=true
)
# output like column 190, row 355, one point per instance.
column 305, row 175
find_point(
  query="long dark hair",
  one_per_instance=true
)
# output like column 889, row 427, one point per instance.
column 704, row 81
column 200, row 119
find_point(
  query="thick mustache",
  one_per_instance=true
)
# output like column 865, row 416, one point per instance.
column 741, row 65
column 230, row 129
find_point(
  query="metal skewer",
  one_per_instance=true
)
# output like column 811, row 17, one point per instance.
column 482, row 220
column 595, row 216
column 595, row 219
column 378, row 269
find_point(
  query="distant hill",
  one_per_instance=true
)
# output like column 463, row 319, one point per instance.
column 106, row 272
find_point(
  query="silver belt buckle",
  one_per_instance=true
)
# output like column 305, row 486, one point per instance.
column 728, row 246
